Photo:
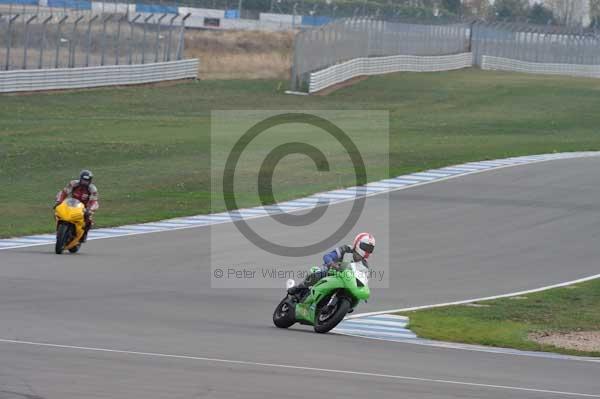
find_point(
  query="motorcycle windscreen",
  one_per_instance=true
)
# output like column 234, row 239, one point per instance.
column 361, row 273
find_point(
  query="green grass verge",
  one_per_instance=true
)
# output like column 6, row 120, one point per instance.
column 149, row 146
column 507, row 322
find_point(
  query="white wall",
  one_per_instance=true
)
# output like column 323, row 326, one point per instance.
column 507, row 64
column 112, row 8
column 253, row 24
column 280, row 18
column 202, row 12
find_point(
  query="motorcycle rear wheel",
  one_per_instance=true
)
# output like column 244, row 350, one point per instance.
column 283, row 316
column 342, row 307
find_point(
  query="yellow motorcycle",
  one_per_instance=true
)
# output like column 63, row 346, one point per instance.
column 70, row 225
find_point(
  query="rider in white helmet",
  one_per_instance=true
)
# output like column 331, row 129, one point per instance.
column 362, row 246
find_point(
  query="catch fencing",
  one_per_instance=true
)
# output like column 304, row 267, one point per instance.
column 532, row 43
column 347, row 39
column 552, row 49
column 40, row 41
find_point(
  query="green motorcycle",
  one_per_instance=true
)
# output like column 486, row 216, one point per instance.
column 327, row 302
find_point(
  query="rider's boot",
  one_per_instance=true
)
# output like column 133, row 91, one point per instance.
column 85, row 232
column 296, row 289
column 308, row 282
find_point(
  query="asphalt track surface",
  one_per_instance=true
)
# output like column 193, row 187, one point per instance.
column 140, row 298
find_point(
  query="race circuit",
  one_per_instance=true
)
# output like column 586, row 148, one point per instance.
column 136, row 317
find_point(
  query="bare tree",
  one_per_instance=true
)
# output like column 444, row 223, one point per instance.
column 477, row 8
column 595, row 11
column 568, row 12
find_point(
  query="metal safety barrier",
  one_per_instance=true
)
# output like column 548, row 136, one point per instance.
column 507, row 64
column 348, row 39
column 111, row 75
column 379, row 65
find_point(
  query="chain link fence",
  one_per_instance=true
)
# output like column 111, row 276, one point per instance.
column 346, row 39
column 534, row 43
column 38, row 41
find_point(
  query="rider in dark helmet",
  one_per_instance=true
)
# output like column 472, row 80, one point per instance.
column 361, row 249
column 84, row 191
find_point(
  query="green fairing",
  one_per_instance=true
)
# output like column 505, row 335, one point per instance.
column 344, row 279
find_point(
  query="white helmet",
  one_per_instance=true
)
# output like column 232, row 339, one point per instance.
column 364, row 244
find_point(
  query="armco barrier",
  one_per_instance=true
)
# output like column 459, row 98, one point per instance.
column 507, row 64
column 112, row 75
column 379, row 65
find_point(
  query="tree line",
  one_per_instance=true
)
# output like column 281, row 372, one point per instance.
column 542, row 12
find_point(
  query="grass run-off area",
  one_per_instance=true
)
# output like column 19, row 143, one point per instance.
column 149, row 147
column 508, row 322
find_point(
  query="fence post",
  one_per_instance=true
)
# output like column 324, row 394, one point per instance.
column 470, row 45
column 157, row 44
column 131, row 25
column 43, row 43
column 89, row 40
column 58, row 35
column 367, row 36
column 506, row 37
column 26, row 44
column 117, row 49
column 72, row 42
column 294, row 7
column 474, row 43
column 167, row 56
column 294, row 71
column 103, row 44
column 9, row 40
column 144, row 38
column 181, row 37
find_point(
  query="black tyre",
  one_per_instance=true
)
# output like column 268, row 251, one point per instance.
column 284, row 315
column 75, row 249
column 327, row 318
column 63, row 233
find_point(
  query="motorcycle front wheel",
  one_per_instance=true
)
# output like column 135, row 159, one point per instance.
column 327, row 318
column 63, row 233
column 284, row 316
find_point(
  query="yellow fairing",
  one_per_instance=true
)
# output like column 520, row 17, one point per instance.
column 71, row 211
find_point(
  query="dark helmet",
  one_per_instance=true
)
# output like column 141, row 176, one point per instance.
column 85, row 177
